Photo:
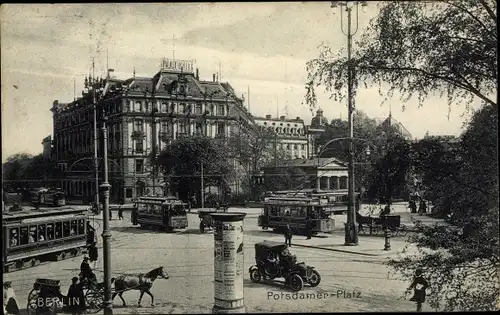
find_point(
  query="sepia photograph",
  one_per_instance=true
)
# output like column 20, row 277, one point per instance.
column 249, row 157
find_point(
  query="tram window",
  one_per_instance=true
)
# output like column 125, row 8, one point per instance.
column 14, row 237
column 59, row 230
column 50, row 231
column 33, row 236
column 41, row 233
column 23, row 236
column 74, row 227
column 81, row 226
column 66, row 229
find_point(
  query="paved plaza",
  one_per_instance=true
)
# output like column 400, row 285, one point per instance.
column 351, row 281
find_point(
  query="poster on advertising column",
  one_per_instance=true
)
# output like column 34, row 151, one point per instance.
column 228, row 263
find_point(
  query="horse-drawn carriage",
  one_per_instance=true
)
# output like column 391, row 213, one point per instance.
column 273, row 260
column 376, row 225
column 206, row 220
column 46, row 298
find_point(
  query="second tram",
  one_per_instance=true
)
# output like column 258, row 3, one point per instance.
column 165, row 213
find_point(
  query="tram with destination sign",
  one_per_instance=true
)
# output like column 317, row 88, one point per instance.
column 164, row 213
column 301, row 213
column 31, row 236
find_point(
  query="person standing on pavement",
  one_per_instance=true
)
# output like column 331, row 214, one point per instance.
column 9, row 299
column 419, row 285
column 120, row 212
column 288, row 235
column 309, row 227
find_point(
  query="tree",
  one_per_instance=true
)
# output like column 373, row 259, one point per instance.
column 16, row 165
column 285, row 178
column 181, row 164
column 463, row 261
column 390, row 173
column 419, row 48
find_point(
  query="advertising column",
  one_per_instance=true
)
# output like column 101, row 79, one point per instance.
column 228, row 262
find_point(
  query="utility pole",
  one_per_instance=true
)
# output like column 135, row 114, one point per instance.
column 202, row 188
column 153, row 139
column 96, row 144
column 106, row 233
column 351, row 233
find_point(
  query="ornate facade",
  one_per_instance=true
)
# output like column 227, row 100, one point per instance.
column 291, row 135
column 141, row 112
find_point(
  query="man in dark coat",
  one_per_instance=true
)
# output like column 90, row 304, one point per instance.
column 85, row 270
column 288, row 235
column 75, row 297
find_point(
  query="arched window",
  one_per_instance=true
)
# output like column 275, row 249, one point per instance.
column 138, row 107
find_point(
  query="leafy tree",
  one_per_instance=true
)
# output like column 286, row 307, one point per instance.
column 284, row 178
column 181, row 164
column 16, row 165
column 390, row 174
column 419, row 48
column 463, row 263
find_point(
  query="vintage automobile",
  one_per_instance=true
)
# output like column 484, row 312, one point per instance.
column 273, row 260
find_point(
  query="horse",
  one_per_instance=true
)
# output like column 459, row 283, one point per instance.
column 141, row 282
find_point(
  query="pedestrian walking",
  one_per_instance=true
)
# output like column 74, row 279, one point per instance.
column 422, row 207
column 419, row 285
column 9, row 299
column 309, row 228
column 288, row 235
column 120, row 212
column 75, row 297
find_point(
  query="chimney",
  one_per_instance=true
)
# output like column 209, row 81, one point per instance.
column 298, row 118
column 213, row 77
column 217, row 76
column 197, row 74
column 268, row 116
column 282, row 117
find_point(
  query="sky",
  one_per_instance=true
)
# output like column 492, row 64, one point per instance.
column 258, row 47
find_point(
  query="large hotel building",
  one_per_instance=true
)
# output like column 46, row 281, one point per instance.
column 178, row 102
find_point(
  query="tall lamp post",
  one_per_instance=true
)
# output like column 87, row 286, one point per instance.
column 351, row 237
column 106, row 233
column 154, row 111
column 351, row 232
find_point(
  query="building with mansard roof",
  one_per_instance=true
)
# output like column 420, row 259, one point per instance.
column 184, row 105
column 291, row 135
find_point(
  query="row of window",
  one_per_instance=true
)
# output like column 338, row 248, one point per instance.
column 181, row 108
column 288, row 146
column 45, row 232
column 296, row 211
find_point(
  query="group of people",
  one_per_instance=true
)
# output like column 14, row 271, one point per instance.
column 422, row 205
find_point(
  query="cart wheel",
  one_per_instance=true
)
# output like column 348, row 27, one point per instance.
column 255, row 275
column 295, row 282
column 32, row 302
column 202, row 228
column 94, row 301
column 315, row 279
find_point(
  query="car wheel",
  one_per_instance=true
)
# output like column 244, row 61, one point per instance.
column 295, row 282
column 255, row 275
column 314, row 279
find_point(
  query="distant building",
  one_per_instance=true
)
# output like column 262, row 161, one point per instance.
column 290, row 134
column 397, row 126
column 47, row 148
column 186, row 106
column 323, row 173
column 315, row 130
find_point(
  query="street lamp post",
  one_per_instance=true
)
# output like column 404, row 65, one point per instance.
column 96, row 159
column 154, row 110
column 351, row 232
column 106, row 233
column 351, row 236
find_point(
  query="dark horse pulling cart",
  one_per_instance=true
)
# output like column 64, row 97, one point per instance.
column 376, row 225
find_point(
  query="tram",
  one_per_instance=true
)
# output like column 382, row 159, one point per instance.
column 164, row 213
column 47, row 197
column 301, row 213
column 35, row 235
